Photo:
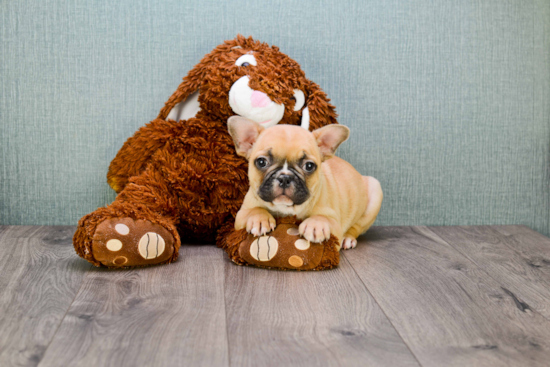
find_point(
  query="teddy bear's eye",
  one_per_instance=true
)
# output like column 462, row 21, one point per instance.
column 261, row 162
column 300, row 99
column 246, row 60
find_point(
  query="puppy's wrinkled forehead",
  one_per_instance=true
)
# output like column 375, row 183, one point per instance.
column 287, row 142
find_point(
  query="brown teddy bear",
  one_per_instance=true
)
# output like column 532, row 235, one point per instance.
column 179, row 177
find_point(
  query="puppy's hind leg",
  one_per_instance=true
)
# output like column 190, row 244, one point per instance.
column 375, row 196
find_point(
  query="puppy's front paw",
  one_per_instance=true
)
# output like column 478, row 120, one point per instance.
column 349, row 243
column 315, row 229
column 260, row 223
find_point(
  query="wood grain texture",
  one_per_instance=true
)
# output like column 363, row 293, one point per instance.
column 447, row 310
column 453, row 296
column 159, row 316
column 326, row 318
column 531, row 245
column 516, row 256
column 39, row 278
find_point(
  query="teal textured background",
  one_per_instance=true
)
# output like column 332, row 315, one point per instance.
column 448, row 101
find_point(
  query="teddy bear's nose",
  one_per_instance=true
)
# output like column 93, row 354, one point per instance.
column 259, row 99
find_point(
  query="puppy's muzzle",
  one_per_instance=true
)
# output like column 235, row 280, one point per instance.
column 285, row 181
column 284, row 184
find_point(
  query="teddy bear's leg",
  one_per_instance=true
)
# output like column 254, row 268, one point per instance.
column 137, row 229
column 230, row 240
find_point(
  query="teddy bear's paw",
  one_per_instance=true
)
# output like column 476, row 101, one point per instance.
column 125, row 242
column 282, row 248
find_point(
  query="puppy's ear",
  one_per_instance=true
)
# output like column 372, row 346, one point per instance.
column 329, row 138
column 244, row 132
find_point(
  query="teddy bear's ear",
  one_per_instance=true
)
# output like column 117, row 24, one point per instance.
column 185, row 109
column 318, row 110
column 184, row 103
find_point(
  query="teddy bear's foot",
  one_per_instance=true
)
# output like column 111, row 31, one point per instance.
column 125, row 242
column 283, row 248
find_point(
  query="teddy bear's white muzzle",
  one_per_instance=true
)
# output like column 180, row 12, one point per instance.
column 254, row 105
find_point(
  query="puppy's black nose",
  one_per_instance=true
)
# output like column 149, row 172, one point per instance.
column 284, row 181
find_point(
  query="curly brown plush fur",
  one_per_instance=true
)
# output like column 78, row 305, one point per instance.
column 185, row 175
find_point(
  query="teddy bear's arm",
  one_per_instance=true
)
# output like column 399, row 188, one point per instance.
column 137, row 150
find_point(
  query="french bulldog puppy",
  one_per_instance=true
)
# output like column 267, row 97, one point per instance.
column 294, row 172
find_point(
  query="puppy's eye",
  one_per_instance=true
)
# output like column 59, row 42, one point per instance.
column 300, row 99
column 310, row 166
column 245, row 64
column 261, row 162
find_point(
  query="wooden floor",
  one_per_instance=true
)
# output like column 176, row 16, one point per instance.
column 406, row 296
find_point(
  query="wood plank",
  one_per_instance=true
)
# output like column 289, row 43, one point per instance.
column 167, row 315
column 448, row 311
column 516, row 256
column 531, row 245
column 40, row 276
column 278, row 318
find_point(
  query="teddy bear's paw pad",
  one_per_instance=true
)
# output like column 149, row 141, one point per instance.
column 293, row 231
column 125, row 242
column 151, row 245
column 264, row 248
column 283, row 248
